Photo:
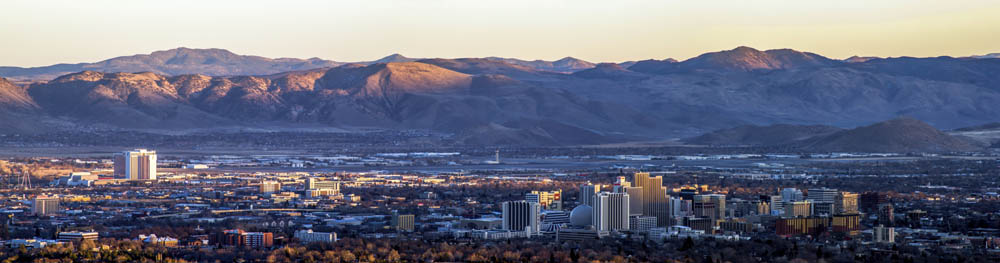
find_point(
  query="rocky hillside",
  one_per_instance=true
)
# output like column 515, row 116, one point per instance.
column 898, row 135
column 497, row 101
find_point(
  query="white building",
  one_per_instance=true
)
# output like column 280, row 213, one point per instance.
column 611, row 212
column 882, row 234
column 308, row 236
column 313, row 183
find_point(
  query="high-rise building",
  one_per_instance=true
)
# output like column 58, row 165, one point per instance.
column 621, row 183
column 313, row 183
column 139, row 164
column 886, row 215
column 611, row 212
column 711, row 206
column 777, row 204
column 849, row 224
column 654, row 198
column 823, row 201
column 634, row 199
column 587, row 193
column 823, row 195
column 45, row 205
column 549, row 200
column 402, row 222
column 823, row 209
column 705, row 209
column 679, row 208
column 270, row 186
column 883, row 234
column 789, row 195
column 846, row 203
column 798, row 209
column 521, row 216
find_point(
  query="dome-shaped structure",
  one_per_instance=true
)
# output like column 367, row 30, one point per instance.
column 582, row 215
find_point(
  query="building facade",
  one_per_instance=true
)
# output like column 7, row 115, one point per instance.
column 45, row 205
column 654, row 198
column 611, row 212
column 521, row 216
column 308, row 236
column 139, row 164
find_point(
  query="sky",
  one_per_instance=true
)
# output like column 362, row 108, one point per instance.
column 39, row 32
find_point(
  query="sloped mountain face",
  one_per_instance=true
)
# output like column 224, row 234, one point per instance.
column 754, row 135
column 749, row 59
column 179, row 61
column 564, row 65
column 15, row 98
column 741, row 59
column 486, row 66
column 979, row 72
column 898, row 135
column 489, row 101
column 609, row 71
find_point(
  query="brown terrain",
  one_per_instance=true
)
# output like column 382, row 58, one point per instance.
column 506, row 101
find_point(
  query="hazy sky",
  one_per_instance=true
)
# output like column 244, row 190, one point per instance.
column 35, row 32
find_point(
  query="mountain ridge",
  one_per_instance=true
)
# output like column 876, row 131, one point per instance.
column 605, row 103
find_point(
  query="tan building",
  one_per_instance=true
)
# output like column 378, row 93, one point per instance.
column 402, row 222
column 45, row 205
column 139, row 164
column 798, row 209
column 654, row 198
column 270, row 186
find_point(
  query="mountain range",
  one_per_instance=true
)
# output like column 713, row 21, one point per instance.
column 499, row 100
column 896, row 135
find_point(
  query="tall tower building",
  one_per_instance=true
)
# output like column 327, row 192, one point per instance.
column 587, row 193
column 139, row 164
column 45, row 205
column 611, row 212
column 711, row 206
column 521, row 216
column 634, row 199
column 654, row 198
